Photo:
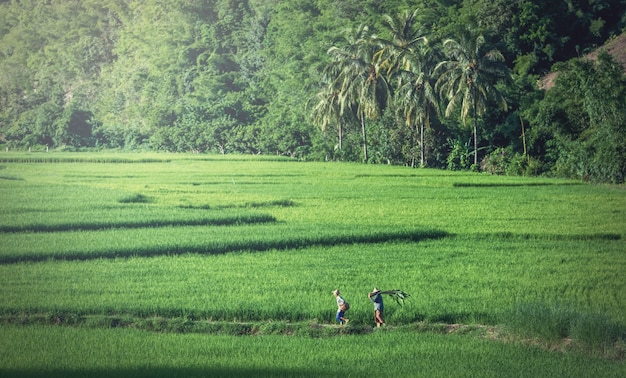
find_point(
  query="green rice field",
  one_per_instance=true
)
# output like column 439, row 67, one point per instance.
column 137, row 264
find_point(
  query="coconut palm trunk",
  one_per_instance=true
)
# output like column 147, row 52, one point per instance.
column 340, row 132
column 422, row 147
column 475, row 127
column 364, row 138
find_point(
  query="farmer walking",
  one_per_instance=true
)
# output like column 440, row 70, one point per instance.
column 342, row 307
column 376, row 297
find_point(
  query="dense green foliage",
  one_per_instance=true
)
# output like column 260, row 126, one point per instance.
column 181, row 264
column 343, row 80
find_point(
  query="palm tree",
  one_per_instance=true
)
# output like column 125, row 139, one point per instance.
column 327, row 111
column 406, row 38
column 468, row 78
column 408, row 57
column 415, row 96
column 359, row 78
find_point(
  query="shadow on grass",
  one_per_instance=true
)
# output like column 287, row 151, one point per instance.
column 11, row 178
column 183, row 324
column 171, row 372
column 94, row 226
column 546, row 236
column 295, row 242
column 276, row 203
column 511, row 184
column 464, row 318
column 136, row 198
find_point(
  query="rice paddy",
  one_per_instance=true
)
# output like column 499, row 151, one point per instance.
column 223, row 264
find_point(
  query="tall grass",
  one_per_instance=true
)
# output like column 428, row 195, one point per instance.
column 67, row 352
column 558, row 321
column 183, row 243
column 472, row 281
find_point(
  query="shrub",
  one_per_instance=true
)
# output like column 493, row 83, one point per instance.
column 497, row 162
column 460, row 156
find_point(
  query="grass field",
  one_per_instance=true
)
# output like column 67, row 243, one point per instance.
column 195, row 265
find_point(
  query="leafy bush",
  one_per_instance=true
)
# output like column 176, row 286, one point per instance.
column 460, row 156
column 497, row 162
column 579, row 124
column 503, row 161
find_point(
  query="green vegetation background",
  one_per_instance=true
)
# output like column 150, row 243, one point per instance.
column 238, row 76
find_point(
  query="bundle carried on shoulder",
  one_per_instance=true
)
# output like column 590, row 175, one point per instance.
column 398, row 295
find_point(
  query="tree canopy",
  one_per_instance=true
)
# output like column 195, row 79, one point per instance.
column 357, row 80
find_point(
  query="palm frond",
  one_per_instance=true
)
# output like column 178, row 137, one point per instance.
column 398, row 295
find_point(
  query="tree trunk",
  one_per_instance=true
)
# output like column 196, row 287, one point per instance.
column 364, row 138
column 475, row 130
column 340, row 136
column 422, row 145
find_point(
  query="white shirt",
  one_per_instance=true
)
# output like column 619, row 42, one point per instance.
column 340, row 301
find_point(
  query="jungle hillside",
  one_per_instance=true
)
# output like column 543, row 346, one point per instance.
column 450, row 84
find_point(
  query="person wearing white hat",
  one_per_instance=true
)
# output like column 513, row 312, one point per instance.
column 376, row 297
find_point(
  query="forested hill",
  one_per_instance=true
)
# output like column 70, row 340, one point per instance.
column 440, row 83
